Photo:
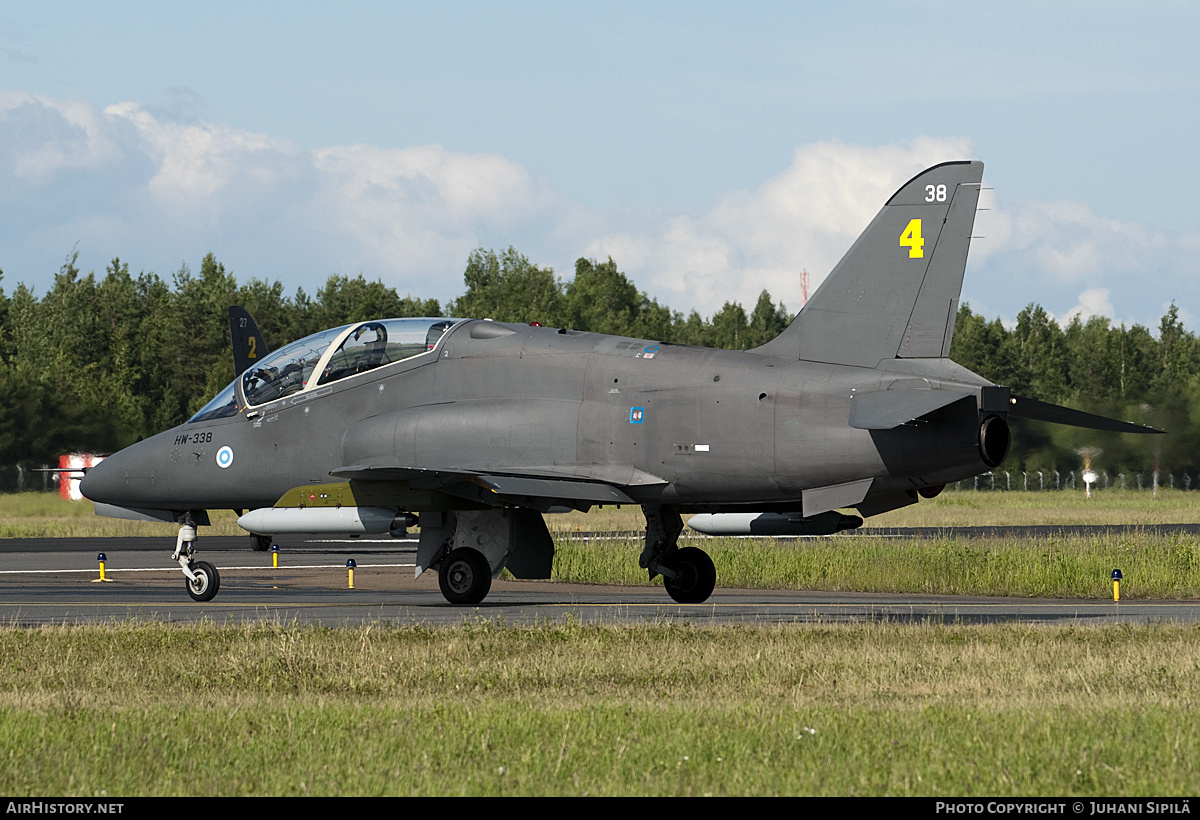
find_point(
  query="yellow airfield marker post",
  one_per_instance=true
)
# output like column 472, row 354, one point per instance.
column 102, row 558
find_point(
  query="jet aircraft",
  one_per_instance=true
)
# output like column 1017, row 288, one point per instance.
column 474, row 428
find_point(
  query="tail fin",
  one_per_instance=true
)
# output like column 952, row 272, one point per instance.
column 895, row 292
column 248, row 344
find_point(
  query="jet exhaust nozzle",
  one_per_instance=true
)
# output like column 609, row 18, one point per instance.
column 994, row 441
column 326, row 520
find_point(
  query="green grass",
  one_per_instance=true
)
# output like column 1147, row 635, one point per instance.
column 875, row 709
column 1061, row 566
column 47, row 515
column 964, row 508
column 1153, row 566
column 819, row 709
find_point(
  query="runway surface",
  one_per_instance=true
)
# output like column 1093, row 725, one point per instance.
column 55, row 581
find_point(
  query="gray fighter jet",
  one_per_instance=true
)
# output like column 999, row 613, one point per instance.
column 474, row 429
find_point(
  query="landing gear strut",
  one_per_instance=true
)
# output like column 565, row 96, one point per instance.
column 201, row 578
column 688, row 574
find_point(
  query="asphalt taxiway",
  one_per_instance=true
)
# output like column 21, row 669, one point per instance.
column 56, row 581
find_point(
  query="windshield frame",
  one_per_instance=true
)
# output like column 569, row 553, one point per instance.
column 283, row 369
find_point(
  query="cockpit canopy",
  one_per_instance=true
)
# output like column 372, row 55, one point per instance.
column 332, row 355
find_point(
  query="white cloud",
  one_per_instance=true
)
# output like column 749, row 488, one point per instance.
column 1072, row 242
column 1044, row 251
column 128, row 182
column 407, row 216
column 424, row 206
column 803, row 218
column 195, row 162
column 1094, row 302
column 53, row 136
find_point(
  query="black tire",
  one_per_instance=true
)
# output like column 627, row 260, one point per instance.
column 695, row 576
column 207, row 582
column 465, row 577
column 260, row 543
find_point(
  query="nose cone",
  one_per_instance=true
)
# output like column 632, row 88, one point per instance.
column 103, row 481
column 126, row 478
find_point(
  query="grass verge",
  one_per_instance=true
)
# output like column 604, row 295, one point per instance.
column 1154, row 566
column 827, row 709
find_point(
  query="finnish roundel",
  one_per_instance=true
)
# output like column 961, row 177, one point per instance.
column 224, row 457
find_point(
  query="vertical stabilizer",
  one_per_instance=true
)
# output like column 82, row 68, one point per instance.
column 248, row 344
column 895, row 292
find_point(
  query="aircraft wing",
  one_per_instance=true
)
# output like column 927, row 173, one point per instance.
column 471, row 484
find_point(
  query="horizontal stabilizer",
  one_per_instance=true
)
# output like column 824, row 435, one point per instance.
column 1035, row 410
column 887, row 409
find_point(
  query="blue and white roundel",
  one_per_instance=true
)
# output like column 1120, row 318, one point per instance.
column 224, row 457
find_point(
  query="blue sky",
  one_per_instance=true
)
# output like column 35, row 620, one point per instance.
column 712, row 150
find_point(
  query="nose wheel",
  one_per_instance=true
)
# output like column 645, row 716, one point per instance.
column 200, row 578
column 204, row 583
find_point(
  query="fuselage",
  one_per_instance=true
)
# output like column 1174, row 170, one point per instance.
column 691, row 427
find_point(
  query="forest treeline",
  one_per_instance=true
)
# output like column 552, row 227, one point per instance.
column 100, row 360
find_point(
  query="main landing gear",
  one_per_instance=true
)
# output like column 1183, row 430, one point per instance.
column 201, row 578
column 688, row 574
column 465, row 577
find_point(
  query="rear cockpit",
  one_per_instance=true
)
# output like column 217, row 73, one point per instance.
column 332, row 355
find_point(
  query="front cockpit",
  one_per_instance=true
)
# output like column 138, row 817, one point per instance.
column 324, row 358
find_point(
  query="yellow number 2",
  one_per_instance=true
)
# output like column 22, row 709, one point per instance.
column 911, row 239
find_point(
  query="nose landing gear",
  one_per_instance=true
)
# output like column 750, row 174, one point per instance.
column 201, row 579
column 205, row 581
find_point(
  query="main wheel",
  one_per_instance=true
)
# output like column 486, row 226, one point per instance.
column 206, row 583
column 465, row 577
column 695, row 576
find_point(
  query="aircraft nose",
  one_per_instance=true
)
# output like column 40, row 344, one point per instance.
column 126, row 478
column 102, row 482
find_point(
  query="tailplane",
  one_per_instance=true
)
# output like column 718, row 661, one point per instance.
column 895, row 292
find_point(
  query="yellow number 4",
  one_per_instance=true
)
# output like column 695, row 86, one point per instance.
column 911, row 239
